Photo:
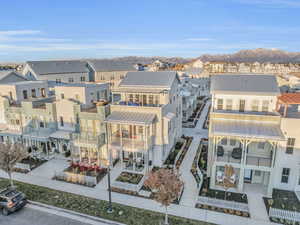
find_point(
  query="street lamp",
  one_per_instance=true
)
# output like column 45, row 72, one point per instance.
column 110, row 209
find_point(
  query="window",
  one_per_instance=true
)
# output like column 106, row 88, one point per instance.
column 137, row 98
column 224, row 141
column 131, row 97
column 265, row 106
column 10, row 95
column 77, row 97
column 242, row 105
column 82, row 79
column 151, row 99
column 43, row 92
column 58, row 81
column 220, row 104
column 290, row 145
column 232, row 142
column 62, row 95
column 156, row 99
column 25, row 95
column 254, row 105
column 140, row 130
column 71, row 80
column 17, row 122
column 285, row 175
column 261, row 145
column 33, row 93
column 229, row 104
column 61, row 121
column 42, row 125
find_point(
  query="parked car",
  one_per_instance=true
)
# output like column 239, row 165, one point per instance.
column 11, row 200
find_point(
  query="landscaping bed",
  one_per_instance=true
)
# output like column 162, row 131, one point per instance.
column 202, row 162
column 28, row 164
column 206, row 122
column 81, row 174
column 195, row 167
column 93, row 207
column 284, row 200
column 184, row 151
column 173, row 154
column 195, row 116
column 223, row 210
column 131, row 178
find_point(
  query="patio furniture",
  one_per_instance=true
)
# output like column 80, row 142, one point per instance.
column 236, row 153
column 220, row 151
column 220, row 176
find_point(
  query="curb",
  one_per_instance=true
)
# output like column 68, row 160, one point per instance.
column 71, row 214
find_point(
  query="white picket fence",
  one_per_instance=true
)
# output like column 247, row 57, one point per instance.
column 223, row 204
column 284, row 214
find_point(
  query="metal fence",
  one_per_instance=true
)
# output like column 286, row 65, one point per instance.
column 284, row 214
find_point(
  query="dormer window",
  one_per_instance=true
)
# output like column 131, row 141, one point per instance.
column 220, row 104
column 265, row 106
column 33, row 93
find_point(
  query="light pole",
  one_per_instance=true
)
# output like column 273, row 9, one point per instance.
column 110, row 209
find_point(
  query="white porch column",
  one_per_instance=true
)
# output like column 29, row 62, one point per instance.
column 213, row 176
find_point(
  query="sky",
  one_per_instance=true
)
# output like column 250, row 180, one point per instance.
column 57, row 29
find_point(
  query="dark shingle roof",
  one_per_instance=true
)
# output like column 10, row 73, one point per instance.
column 106, row 65
column 60, row 66
column 241, row 84
column 152, row 79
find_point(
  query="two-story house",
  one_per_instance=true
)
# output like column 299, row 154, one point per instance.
column 244, row 132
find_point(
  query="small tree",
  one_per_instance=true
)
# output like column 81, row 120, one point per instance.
column 10, row 155
column 166, row 186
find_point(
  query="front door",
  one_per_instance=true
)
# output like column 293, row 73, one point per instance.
column 257, row 177
column 247, row 176
column 242, row 105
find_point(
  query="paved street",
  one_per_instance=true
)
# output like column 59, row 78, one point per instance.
column 29, row 216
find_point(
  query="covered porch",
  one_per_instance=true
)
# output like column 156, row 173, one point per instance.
column 249, row 147
column 131, row 139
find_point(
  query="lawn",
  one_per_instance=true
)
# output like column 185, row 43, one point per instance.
column 93, row 207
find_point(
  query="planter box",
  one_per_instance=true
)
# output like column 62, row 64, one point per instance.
column 76, row 178
column 128, row 186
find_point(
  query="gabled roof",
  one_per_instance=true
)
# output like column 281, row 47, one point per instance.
column 245, row 84
column 6, row 73
column 59, row 66
column 106, row 65
column 149, row 79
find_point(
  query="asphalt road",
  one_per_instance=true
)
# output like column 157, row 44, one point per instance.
column 28, row 216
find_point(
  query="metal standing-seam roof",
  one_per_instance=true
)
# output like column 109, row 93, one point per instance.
column 245, row 84
column 106, row 65
column 247, row 129
column 59, row 66
column 130, row 117
column 153, row 79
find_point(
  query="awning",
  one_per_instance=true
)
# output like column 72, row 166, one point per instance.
column 130, row 118
column 60, row 134
column 247, row 129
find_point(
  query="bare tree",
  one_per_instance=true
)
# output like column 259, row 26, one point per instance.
column 10, row 155
column 166, row 186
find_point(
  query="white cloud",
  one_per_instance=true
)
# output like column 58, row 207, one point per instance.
column 18, row 32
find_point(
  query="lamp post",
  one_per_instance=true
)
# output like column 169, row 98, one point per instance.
column 110, row 209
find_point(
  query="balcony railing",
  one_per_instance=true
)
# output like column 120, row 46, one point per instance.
column 128, row 103
column 134, row 144
column 227, row 157
column 258, row 161
column 86, row 139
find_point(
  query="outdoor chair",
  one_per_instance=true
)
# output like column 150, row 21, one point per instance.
column 236, row 153
column 220, row 151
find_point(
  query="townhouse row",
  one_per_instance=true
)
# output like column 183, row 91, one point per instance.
column 137, row 123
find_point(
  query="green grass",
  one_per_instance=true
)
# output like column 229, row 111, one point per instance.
column 93, row 207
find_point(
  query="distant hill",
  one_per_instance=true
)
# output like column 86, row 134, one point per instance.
column 255, row 55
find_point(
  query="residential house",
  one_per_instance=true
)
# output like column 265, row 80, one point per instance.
column 146, row 121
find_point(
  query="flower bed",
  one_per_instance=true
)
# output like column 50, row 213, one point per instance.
column 82, row 174
column 223, row 210
column 195, row 169
column 202, row 163
column 131, row 178
column 206, row 122
column 193, row 120
column 184, row 151
column 284, row 200
column 93, row 207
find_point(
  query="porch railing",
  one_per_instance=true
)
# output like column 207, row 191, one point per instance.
column 258, row 161
column 85, row 139
column 284, row 214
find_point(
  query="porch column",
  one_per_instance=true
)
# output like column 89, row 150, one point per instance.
column 270, row 185
column 274, row 151
column 241, row 179
column 146, row 151
column 213, row 176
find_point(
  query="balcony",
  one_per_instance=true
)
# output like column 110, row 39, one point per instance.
column 85, row 139
column 131, row 144
column 127, row 103
column 233, row 156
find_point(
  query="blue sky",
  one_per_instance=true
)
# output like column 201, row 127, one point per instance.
column 35, row 29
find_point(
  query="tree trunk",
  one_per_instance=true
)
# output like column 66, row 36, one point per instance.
column 166, row 217
column 10, row 179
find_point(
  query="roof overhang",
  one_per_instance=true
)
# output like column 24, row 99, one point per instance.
column 121, row 117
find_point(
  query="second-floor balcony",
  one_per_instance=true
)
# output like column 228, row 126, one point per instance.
column 86, row 139
column 131, row 143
